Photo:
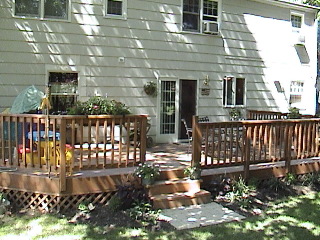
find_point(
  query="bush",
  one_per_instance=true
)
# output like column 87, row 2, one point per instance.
column 128, row 191
column 143, row 212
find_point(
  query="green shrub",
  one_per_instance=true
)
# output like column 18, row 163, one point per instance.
column 143, row 212
column 276, row 184
column 128, row 191
column 294, row 113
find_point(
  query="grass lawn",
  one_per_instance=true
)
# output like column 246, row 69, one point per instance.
column 293, row 218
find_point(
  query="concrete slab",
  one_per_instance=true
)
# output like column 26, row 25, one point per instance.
column 199, row 215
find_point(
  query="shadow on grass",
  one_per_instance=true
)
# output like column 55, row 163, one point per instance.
column 294, row 218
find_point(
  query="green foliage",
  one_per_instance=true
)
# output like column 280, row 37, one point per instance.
column 192, row 172
column 290, row 179
column 143, row 212
column 85, row 207
column 294, row 113
column 147, row 170
column 310, row 179
column 150, row 88
column 115, row 203
column 276, row 184
column 241, row 193
column 312, row 2
column 235, row 114
column 99, row 106
column 128, row 191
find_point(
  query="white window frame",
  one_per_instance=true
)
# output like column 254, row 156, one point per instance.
column 124, row 10
column 41, row 13
column 297, row 14
column 233, row 92
column 201, row 18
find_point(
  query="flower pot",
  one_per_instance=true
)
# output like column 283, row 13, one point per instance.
column 147, row 181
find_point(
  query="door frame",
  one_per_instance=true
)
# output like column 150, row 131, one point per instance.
column 173, row 138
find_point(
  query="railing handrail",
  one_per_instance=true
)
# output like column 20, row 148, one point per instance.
column 93, row 141
column 253, row 141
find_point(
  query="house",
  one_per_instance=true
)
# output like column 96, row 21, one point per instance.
column 205, row 56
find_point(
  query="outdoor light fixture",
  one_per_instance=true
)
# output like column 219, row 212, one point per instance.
column 228, row 78
column 206, row 81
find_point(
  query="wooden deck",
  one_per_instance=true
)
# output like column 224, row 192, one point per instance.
column 82, row 171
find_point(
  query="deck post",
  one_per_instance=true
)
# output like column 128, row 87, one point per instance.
column 63, row 181
column 143, row 139
column 246, row 151
column 287, row 147
column 196, row 142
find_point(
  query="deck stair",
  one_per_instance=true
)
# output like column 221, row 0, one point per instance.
column 173, row 189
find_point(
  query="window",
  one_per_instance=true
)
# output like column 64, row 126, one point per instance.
column 233, row 91
column 116, row 8
column 296, row 21
column 63, row 90
column 30, row 8
column 296, row 90
column 53, row 9
column 197, row 13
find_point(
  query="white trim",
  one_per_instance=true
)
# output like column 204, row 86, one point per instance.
column 298, row 14
column 165, row 138
column 41, row 14
column 233, row 105
column 124, row 10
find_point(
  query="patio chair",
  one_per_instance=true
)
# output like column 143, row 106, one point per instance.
column 204, row 119
column 188, row 132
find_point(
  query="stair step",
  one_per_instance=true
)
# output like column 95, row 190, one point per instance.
column 173, row 200
column 175, row 185
column 170, row 174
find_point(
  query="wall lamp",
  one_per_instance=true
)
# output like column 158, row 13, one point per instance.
column 206, row 80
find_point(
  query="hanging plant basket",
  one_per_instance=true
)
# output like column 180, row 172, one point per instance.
column 150, row 88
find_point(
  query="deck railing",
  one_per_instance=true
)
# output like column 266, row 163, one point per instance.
column 244, row 143
column 63, row 144
column 264, row 115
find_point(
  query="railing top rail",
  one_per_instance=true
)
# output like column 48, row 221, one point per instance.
column 254, row 122
column 72, row 116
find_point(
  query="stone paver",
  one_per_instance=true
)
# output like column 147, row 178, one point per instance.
column 199, row 215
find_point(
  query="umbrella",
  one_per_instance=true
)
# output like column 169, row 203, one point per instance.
column 29, row 99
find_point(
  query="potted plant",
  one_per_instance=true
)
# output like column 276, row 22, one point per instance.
column 99, row 106
column 294, row 113
column 147, row 172
column 150, row 88
column 235, row 114
column 193, row 172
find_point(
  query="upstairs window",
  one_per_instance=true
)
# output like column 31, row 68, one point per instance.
column 296, row 21
column 200, row 16
column 53, row 9
column 116, row 8
column 233, row 91
column 27, row 8
column 63, row 90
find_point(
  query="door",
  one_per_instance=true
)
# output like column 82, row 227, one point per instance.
column 187, row 104
column 168, row 109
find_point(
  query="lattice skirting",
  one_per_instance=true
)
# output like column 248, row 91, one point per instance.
column 52, row 203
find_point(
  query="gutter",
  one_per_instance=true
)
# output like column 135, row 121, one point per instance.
column 295, row 5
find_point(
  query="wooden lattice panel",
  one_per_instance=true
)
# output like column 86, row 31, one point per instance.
column 51, row 203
